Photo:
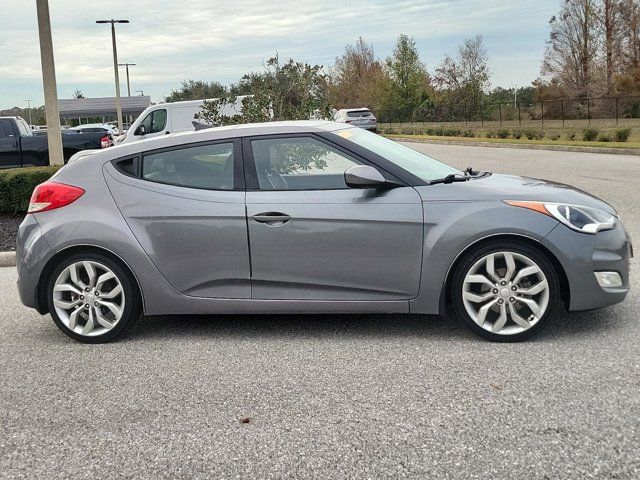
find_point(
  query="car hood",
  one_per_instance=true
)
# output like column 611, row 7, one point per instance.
column 510, row 187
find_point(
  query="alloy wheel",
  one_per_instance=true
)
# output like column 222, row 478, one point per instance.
column 88, row 298
column 505, row 293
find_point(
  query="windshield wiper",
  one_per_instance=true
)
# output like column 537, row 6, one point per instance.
column 450, row 179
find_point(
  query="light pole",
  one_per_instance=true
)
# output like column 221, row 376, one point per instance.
column 115, row 66
column 29, row 109
column 127, row 65
column 54, row 138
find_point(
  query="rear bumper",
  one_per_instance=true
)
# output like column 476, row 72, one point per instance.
column 30, row 259
column 583, row 255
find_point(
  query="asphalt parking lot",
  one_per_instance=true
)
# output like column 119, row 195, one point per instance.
column 335, row 396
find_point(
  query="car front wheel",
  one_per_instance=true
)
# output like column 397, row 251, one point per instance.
column 505, row 291
column 92, row 299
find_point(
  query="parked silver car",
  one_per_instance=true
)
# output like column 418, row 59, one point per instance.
column 358, row 117
column 309, row 217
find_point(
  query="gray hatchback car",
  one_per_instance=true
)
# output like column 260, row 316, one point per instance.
column 309, row 217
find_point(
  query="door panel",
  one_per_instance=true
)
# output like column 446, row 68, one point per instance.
column 348, row 244
column 196, row 237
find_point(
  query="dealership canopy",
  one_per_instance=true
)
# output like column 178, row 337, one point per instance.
column 104, row 106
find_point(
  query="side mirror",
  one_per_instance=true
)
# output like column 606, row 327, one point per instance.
column 363, row 176
column 141, row 130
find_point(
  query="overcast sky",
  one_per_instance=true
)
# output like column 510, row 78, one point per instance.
column 172, row 40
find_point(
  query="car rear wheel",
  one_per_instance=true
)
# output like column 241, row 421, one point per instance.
column 505, row 291
column 92, row 299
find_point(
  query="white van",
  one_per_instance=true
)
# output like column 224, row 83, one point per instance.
column 165, row 118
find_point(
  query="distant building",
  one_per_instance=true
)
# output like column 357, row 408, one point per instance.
column 103, row 107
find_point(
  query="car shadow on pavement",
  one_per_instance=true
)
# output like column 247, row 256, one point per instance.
column 565, row 325
column 342, row 326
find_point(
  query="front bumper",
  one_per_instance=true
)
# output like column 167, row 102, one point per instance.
column 582, row 255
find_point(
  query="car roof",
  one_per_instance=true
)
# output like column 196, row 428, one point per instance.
column 222, row 133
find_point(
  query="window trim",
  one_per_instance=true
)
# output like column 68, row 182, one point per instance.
column 238, row 164
column 251, row 174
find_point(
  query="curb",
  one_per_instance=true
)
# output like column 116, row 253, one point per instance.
column 558, row 148
column 7, row 259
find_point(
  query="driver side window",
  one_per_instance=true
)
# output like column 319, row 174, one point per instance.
column 155, row 122
column 299, row 163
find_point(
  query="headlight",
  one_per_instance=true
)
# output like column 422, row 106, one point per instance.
column 577, row 217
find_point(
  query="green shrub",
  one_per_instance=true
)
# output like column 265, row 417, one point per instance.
column 491, row 134
column 622, row 135
column 502, row 133
column 17, row 184
column 603, row 137
column 451, row 132
column 571, row 135
column 533, row 134
column 553, row 136
column 467, row 133
column 516, row 134
column 590, row 134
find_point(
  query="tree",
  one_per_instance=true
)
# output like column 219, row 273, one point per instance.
column 466, row 77
column 357, row 78
column 196, row 90
column 610, row 19
column 630, row 26
column 289, row 91
column 408, row 78
column 572, row 47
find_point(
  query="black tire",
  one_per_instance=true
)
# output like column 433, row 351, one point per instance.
column 535, row 255
column 132, row 305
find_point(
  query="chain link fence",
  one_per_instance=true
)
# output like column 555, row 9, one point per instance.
column 600, row 111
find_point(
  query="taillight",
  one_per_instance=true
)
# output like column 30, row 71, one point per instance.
column 50, row 195
column 105, row 142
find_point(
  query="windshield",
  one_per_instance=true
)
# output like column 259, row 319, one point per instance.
column 419, row 164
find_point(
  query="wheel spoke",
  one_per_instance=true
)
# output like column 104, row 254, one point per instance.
column 66, row 304
column 103, row 278
column 534, row 290
column 532, row 304
column 477, row 278
column 90, row 323
column 502, row 319
column 91, row 273
column 115, row 309
column 511, row 265
column 482, row 312
column 517, row 318
column 525, row 272
column 113, row 293
column 73, row 272
column 491, row 266
column 73, row 318
column 477, row 298
column 65, row 287
column 101, row 320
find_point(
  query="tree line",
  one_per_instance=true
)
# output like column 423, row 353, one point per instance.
column 593, row 50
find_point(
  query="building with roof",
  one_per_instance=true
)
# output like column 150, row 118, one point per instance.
column 102, row 107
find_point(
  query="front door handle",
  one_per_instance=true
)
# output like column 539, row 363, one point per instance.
column 271, row 218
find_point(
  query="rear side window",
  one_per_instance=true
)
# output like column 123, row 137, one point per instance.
column 5, row 129
column 207, row 166
column 359, row 113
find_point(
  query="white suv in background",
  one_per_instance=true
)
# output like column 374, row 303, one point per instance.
column 358, row 117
